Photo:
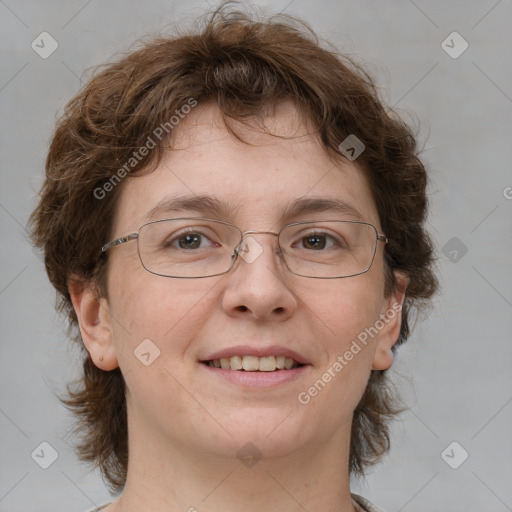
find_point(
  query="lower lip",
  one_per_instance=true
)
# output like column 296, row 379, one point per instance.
column 257, row 379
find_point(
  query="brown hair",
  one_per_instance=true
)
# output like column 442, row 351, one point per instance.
column 244, row 66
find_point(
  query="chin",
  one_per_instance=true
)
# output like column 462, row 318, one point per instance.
column 274, row 432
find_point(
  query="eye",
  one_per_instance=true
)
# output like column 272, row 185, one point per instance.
column 316, row 242
column 190, row 241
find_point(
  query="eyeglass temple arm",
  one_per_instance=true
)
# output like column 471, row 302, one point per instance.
column 382, row 238
column 119, row 241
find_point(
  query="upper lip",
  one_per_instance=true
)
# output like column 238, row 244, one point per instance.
column 260, row 351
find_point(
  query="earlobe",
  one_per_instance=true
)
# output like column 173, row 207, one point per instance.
column 391, row 321
column 94, row 322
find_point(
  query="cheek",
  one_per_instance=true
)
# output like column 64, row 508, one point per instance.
column 345, row 308
column 341, row 313
column 172, row 314
column 168, row 312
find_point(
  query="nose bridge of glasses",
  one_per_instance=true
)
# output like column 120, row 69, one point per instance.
column 241, row 248
column 253, row 232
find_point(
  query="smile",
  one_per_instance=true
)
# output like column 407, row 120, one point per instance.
column 254, row 363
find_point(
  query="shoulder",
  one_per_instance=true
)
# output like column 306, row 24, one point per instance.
column 363, row 505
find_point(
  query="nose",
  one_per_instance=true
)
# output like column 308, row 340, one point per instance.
column 257, row 287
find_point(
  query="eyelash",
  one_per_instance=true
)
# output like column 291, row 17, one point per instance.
column 175, row 238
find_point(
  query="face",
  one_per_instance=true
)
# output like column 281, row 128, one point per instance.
column 258, row 308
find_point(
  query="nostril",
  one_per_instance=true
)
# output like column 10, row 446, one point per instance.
column 279, row 310
column 243, row 308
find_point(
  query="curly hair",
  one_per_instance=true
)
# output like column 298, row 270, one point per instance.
column 245, row 66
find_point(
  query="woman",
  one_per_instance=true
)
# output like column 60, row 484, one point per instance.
column 234, row 223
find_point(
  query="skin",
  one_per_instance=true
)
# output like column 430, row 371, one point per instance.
column 185, row 425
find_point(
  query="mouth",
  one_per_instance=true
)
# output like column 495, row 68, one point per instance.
column 249, row 363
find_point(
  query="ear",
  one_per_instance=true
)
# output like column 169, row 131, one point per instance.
column 391, row 318
column 94, row 322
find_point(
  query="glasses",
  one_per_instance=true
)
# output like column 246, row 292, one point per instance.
column 197, row 247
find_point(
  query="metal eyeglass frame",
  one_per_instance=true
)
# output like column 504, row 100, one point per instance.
column 135, row 236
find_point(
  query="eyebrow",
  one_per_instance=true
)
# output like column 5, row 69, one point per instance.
column 212, row 207
column 319, row 205
column 202, row 204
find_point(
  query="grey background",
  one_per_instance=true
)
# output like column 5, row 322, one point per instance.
column 455, row 370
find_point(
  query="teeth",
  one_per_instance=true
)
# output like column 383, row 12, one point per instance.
column 254, row 363
column 236, row 363
column 267, row 364
column 251, row 363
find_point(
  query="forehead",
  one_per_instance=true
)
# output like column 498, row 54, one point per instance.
column 257, row 181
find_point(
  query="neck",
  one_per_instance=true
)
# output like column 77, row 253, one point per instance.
column 162, row 477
